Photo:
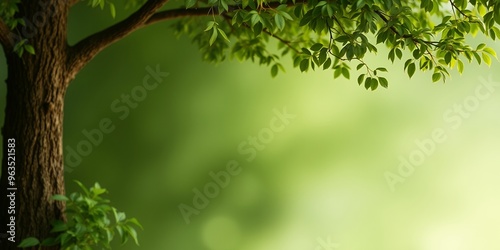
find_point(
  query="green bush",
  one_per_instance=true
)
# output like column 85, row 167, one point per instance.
column 88, row 223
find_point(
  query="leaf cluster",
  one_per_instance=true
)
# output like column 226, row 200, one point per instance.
column 8, row 11
column 429, row 35
column 102, row 4
column 92, row 222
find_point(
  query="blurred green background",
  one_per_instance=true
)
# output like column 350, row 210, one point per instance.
column 318, row 185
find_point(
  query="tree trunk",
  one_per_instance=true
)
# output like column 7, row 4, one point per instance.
column 33, row 127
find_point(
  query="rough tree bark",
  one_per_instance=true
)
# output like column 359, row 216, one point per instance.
column 36, row 86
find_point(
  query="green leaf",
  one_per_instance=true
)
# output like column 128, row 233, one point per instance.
column 29, row 242
column 480, row 46
column 255, row 19
column 497, row 15
column 368, row 82
column 97, row 190
column 58, row 226
column 329, row 10
column 322, row 55
column 436, row 76
column 257, row 29
column 109, row 236
column 390, row 56
column 306, row 51
column 285, row 14
column 383, row 82
column 342, row 39
column 119, row 216
column 74, row 247
column 29, row 49
column 280, row 21
column 361, row 78
column 119, row 229
column 345, row 73
column 210, row 25
column 60, row 197
column 349, row 52
column 213, row 37
column 416, row 54
column 244, row 3
column 486, row 59
column 382, row 37
column 447, row 57
column 65, row 238
column 274, row 70
column 316, row 47
column 337, row 72
column 82, row 187
column 327, row 63
column 321, row 3
column 223, row 34
column 134, row 220
column 112, row 9
column 399, row 53
column 298, row 10
column 132, row 234
column 223, row 4
column 476, row 55
column 460, row 67
column 407, row 63
column 190, row 3
column 411, row 69
column 304, row 65
column 373, row 84
column 490, row 51
column 95, row 3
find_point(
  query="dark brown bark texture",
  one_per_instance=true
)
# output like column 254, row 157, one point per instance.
column 36, row 85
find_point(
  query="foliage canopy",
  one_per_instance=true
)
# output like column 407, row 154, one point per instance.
column 429, row 35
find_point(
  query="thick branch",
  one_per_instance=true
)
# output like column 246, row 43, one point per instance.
column 89, row 47
column 178, row 13
column 5, row 37
column 85, row 50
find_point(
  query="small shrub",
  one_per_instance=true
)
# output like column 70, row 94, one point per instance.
column 91, row 223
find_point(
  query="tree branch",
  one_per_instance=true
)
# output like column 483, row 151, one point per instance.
column 88, row 48
column 454, row 6
column 178, row 13
column 5, row 37
column 82, row 52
